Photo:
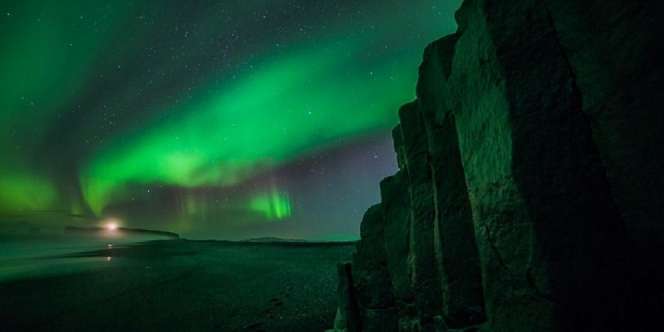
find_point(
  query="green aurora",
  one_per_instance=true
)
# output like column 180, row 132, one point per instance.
column 98, row 100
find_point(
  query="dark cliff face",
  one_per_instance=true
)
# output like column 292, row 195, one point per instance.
column 530, row 169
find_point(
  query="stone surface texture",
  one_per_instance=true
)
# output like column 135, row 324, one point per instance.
column 530, row 167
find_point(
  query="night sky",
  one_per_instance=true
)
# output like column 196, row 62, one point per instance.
column 214, row 119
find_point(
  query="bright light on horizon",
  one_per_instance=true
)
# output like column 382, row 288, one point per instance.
column 111, row 224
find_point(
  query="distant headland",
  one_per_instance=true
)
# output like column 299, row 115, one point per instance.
column 121, row 230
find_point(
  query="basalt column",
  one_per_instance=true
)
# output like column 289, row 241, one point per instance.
column 530, row 165
column 550, row 238
column 456, row 249
column 615, row 51
column 375, row 301
column 425, row 273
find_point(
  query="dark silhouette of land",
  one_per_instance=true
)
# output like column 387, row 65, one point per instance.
column 122, row 230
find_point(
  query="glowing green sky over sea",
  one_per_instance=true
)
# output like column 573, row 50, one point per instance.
column 103, row 104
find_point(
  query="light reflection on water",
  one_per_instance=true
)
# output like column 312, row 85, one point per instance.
column 39, row 255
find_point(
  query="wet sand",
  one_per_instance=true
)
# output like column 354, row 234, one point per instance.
column 174, row 285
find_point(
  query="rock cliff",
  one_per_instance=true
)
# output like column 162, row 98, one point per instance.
column 530, row 168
